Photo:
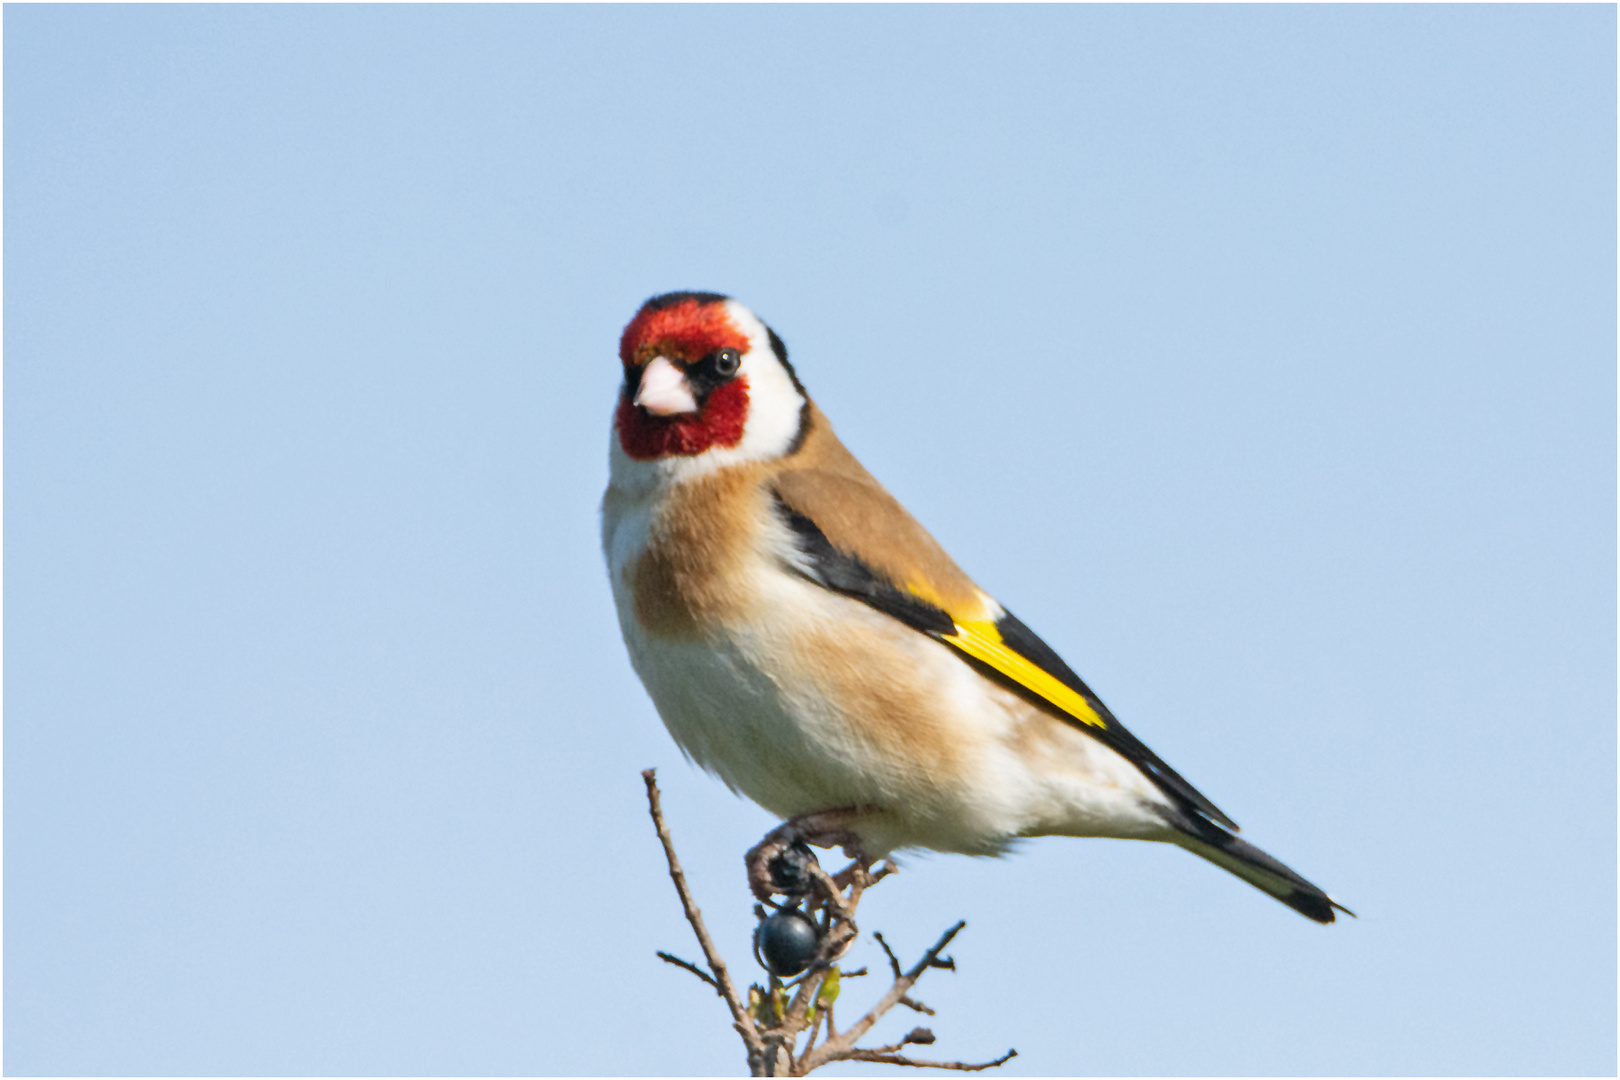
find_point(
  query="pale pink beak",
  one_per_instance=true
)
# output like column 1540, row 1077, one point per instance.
column 664, row 390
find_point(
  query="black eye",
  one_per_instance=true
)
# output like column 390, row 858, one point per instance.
column 726, row 362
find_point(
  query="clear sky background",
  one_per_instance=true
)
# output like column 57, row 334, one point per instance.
column 1262, row 359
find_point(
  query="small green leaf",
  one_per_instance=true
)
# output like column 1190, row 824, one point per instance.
column 827, row 993
column 756, row 998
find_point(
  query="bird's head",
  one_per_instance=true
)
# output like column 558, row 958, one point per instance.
column 704, row 377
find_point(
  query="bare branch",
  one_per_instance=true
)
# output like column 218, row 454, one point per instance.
column 837, row 1047
column 689, row 966
column 722, row 980
column 916, row 1037
column 809, row 986
column 815, row 1028
column 894, row 965
column 894, row 961
column 881, row 1058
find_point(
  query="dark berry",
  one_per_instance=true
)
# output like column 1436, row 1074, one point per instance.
column 786, row 942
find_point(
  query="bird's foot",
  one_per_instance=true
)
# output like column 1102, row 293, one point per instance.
column 783, row 864
column 860, row 874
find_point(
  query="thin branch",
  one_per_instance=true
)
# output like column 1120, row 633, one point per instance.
column 894, row 965
column 722, row 980
column 815, row 1027
column 896, row 1059
column 915, row 1037
column 894, row 961
column 689, row 966
column 823, row 1015
column 809, row 987
column 839, row 1047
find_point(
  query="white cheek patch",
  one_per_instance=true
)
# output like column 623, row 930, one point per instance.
column 775, row 406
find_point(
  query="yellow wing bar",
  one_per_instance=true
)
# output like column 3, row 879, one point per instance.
column 982, row 641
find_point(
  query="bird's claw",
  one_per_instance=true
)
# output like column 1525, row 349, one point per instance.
column 783, row 864
column 777, row 868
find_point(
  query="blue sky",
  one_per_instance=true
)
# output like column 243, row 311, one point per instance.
column 1262, row 359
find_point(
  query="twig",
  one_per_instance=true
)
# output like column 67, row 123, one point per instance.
column 895, row 1059
column 815, row 1025
column 722, row 981
column 894, row 965
column 841, row 1047
column 915, row 1037
column 894, row 961
column 689, row 966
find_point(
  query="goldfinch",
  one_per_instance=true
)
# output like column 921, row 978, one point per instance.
column 806, row 640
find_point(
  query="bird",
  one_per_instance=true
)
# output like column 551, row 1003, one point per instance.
column 807, row 641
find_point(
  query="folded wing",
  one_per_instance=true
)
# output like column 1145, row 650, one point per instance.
column 935, row 598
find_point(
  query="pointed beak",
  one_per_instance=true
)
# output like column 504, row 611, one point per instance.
column 664, row 391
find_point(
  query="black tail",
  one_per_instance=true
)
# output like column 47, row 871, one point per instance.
column 1209, row 841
